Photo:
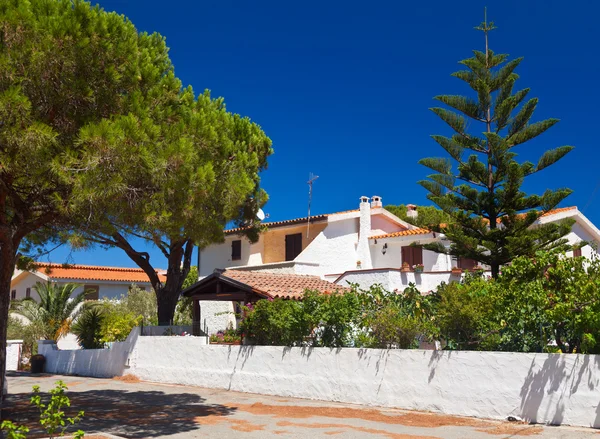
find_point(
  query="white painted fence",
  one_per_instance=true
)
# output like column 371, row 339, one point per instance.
column 13, row 354
column 545, row 388
column 101, row 363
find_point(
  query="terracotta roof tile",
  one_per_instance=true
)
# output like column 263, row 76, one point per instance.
column 287, row 286
column 408, row 232
column 93, row 272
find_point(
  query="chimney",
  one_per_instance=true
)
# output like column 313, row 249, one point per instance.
column 412, row 211
column 363, row 252
column 376, row 201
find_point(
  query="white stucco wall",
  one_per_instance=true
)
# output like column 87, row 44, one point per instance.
column 334, row 249
column 396, row 280
column 13, row 354
column 579, row 234
column 546, row 388
column 219, row 255
column 99, row 363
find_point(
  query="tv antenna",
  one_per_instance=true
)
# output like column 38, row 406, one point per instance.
column 311, row 179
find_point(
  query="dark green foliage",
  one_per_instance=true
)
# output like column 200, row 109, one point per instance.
column 491, row 218
column 88, row 328
column 546, row 303
column 428, row 216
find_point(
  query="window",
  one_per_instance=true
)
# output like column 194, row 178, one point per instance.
column 92, row 292
column 28, row 293
column 293, row 246
column 13, row 294
column 412, row 255
column 236, row 250
column 576, row 252
column 466, row 263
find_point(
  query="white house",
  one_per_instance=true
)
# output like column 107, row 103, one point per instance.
column 364, row 246
column 102, row 282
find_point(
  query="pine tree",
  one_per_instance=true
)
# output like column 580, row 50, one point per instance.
column 493, row 220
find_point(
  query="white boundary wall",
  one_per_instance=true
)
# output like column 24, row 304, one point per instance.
column 13, row 354
column 99, row 363
column 544, row 388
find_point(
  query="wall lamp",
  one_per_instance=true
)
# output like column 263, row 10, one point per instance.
column 384, row 249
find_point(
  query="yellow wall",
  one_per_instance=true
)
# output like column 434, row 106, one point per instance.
column 274, row 240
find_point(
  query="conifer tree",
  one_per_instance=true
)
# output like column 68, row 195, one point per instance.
column 493, row 220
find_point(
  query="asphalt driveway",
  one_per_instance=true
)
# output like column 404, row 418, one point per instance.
column 149, row 410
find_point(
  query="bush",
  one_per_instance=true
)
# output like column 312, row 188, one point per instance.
column 140, row 303
column 117, row 323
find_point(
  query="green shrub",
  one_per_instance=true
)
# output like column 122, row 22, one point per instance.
column 117, row 324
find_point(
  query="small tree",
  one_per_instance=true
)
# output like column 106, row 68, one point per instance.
column 492, row 217
column 56, row 309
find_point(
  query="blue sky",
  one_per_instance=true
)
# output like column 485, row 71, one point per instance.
column 343, row 88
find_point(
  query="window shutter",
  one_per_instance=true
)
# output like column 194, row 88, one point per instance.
column 13, row 294
column 466, row 263
column 576, row 252
column 92, row 292
column 412, row 255
column 407, row 256
column 417, row 255
column 236, row 250
column 28, row 293
column 293, row 246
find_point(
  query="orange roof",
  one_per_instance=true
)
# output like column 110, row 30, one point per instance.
column 402, row 233
column 287, row 286
column 93, row 272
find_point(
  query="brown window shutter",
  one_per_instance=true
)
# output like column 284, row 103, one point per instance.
column 576, row 252
column 417, row 255
column 13, row 294
column 293, row 246
column 28, row 293
column 466, row 263
column 407, row 256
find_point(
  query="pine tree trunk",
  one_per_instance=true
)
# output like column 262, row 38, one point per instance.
column 495, row 270
column 8, row 258
column 166, row 300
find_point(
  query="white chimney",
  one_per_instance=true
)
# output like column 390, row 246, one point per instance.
column 412, row 211
column 363, row 252
column 376, row 201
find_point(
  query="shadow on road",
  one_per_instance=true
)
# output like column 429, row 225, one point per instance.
column 132, row 414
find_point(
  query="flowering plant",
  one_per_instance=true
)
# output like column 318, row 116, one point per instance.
column 229, row 335
column 418, row 267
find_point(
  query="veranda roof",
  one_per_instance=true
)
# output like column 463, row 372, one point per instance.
column 240, row 285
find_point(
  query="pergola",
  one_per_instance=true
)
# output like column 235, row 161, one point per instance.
column 250, row 286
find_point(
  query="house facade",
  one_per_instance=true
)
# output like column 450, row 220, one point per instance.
column 364, row 246
column 100, row 282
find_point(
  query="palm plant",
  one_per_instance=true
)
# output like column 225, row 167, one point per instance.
column 88, row 328
column 56, row 308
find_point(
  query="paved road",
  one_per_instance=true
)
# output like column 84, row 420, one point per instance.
column 148, row 410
